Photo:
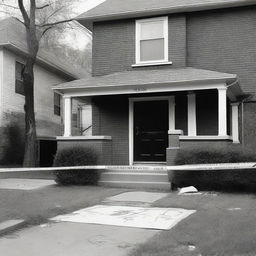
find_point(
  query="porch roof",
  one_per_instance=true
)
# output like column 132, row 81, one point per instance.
column 146, row 81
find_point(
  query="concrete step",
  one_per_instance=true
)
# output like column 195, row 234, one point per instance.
column 128, row 176
column 149, row 177
column 137, row 185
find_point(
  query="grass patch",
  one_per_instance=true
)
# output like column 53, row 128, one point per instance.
column 37, row 206
column 213, row 229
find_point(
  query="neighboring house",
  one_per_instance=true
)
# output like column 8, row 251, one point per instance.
column 48, row 72
column 167, row 75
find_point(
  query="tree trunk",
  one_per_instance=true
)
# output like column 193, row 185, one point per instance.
column 31, row 147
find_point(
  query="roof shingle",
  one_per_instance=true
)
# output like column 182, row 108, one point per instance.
column 120, row 9
column 144, row 77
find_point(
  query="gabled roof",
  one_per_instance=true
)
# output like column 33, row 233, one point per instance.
column 13, row 37
column 121, row 9
column 145, row 81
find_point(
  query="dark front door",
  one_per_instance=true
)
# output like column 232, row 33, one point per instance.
column 150, row 131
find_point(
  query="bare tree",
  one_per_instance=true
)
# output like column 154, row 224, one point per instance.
column 38, row 17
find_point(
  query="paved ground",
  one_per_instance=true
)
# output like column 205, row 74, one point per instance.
column 25, row 184
column 37, row 205
column 71, row 238
column 135, row 196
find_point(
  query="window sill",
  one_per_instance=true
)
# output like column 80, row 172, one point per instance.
column 206, row 137
column 84, row 137
column 151, row 64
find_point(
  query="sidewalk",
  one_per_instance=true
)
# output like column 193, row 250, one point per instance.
column 69, row 238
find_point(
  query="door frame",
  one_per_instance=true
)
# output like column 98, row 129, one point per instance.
column 171, row 115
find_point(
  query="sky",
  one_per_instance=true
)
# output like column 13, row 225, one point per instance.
column 75, row 38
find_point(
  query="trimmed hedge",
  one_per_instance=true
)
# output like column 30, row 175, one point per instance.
column 218, row 180
column 232, row 180
column 76, row 156
column 213, row 156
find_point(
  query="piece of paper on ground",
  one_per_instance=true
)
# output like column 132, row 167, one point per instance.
column 126, row 216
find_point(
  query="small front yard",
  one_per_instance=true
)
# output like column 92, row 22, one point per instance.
column 224, row 224
column 35, row 206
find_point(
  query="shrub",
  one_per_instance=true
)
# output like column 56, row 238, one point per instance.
column 230, row 179
column 225, row 180
column 14, row 147
column 76, row 156
column 213, row 156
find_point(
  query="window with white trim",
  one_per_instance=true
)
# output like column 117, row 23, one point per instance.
column 152, row 40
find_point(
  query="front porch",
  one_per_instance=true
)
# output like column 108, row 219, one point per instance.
column 145, row 122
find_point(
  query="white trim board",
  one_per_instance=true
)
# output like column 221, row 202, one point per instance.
column 1, row 83
column 139, row 89
column 210, row 137
column 138, row 39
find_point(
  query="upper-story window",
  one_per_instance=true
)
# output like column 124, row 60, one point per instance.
column 19, row 83
column 152, row 40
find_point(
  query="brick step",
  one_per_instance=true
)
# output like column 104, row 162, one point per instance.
column 139, row 176
column 137, row 185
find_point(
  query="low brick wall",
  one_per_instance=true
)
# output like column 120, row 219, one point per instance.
column 102, row 145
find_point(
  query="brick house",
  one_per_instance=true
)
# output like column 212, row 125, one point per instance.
column 48, row 72
column 167, row 75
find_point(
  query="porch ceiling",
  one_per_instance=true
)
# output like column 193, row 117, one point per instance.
column 148, row 81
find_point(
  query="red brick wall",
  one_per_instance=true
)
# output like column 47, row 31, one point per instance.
column 224, row 41
column 248, row 133
column 112, row 120
column 114, row 45
column 102, row 148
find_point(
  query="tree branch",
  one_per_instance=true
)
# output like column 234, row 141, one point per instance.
column 24, row 13
column 32, row 12
column 55, row 23
column 47, row 29
column 53, row 13
column 9, row 6
column 43, row 6
column 19, row 20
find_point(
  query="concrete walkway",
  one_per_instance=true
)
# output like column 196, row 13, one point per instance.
column 78, row 239
column 74, row 239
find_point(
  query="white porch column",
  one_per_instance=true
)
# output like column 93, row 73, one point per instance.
column 222, row 106
column 235, row 123
column 67, row 102
column 192, row 131
column 171, row 113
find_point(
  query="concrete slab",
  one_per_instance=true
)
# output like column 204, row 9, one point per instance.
column 137, row 196
column 126, row 216
column 25, row 184
column 76, row 239
column 10, row 225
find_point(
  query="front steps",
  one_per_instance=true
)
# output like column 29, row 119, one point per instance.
column 145, row 177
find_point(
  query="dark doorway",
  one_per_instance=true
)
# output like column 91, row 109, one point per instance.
column 151, row 125
column 47, row 151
